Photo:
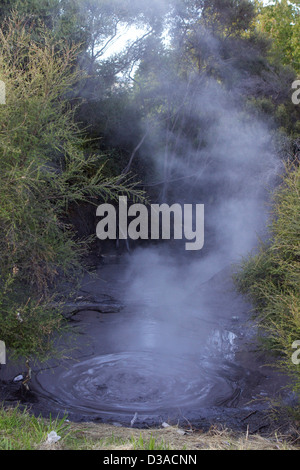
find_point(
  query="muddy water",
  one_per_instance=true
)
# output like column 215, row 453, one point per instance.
column 132, row 365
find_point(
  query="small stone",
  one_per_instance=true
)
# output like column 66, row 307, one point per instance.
column 53, row 437
column 18, row 378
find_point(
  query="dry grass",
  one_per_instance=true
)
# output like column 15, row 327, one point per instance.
column 105, row 437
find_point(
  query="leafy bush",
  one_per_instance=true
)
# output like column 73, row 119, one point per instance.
column 43, row 170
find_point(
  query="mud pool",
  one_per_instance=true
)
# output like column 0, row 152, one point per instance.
column 131, row 364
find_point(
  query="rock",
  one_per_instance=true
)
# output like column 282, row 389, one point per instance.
column 53, row 437
column 18, row 378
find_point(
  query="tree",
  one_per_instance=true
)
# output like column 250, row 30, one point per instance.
column 281, row 21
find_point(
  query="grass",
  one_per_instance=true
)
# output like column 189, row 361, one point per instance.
column 271, row 278
column 148, row 444
column 19, row 430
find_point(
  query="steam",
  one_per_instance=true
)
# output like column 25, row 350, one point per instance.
column 231, row 172
column 213, row 152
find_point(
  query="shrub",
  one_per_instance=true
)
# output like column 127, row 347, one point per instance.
column 43, row 170
column 271, row 278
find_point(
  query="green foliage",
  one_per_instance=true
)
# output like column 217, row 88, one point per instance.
column 28, row 327
column 281, row 116
column 63, row 18
column 43, row 170
column 21, row 431
column 151, row 444
column 271, row 278
column 231, row 17
column 281, row 21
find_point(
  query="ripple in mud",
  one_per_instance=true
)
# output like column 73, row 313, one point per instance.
column 126, row 383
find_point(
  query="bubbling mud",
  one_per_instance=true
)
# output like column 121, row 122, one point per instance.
column 139, row 382
column 136, row 362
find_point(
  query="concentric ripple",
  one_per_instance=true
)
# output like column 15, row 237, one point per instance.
column 142, row 382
